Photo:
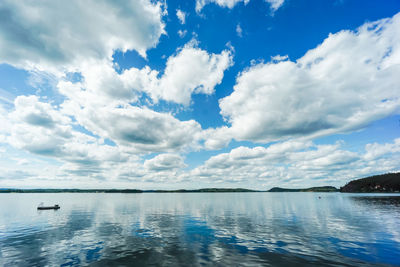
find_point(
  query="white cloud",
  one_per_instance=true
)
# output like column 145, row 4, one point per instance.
column 191, row 71
column 297, row 164
column 30, row 110
column 41, row 129
column 139, row 129
column 182, row 33
column 53, row 35
column 45, row 130
column 181, row 16
column 274, row 4
column 344, row 84
column 239, row 30
column 278, row 58
column 375, row 150
column 6, row 124
column 37, row 127
column 223, row 3
column 164, row 162
column 216, row 138
column 101, row 102
column 101, row 84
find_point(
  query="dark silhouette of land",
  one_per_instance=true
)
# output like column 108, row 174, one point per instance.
column 311, row 189
column 11, row 190
column 203, row 190
column 384, row 183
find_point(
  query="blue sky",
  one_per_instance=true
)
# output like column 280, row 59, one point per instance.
column 202, row 93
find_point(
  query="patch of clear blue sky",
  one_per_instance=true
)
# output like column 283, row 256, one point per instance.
column 9, row 156
column 380, row 131
column 14, row 82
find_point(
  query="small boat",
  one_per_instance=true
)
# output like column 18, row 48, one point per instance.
column 55, row 207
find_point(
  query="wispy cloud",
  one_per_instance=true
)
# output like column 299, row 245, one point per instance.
column 181, row 16
column 239, row 30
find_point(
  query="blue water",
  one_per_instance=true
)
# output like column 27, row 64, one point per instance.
column 193, row 229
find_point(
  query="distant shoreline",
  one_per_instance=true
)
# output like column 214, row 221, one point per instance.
column 319, row 189
column 384, row 183
column 137, row 191
column 130, row 191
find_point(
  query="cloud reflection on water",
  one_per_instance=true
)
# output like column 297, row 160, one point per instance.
column 201, row 229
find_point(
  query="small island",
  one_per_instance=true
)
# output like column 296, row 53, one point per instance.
column 384, row 183
column 311, row 189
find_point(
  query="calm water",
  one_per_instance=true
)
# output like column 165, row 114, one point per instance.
column 235, row 229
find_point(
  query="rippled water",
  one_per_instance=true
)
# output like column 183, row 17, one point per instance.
column 278, row 229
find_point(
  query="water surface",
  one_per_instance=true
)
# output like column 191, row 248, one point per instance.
column 181, row 229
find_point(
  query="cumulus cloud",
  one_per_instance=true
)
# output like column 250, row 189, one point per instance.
column 99, row 105
column 140, row 129
column 342, row 85
column 81, row 158
column 44, row 130
column 181, row 16
column 37, row 127
column 375, row 150
column 53, row 35
column 291, row 163
column 103, row 105
column 30, row 110
column 191, row 71
column 164, row 162
column 297, row 164
column 217, row 138
column 105, row 122
column 100, row 101
column 274, row 4
column 137, row 129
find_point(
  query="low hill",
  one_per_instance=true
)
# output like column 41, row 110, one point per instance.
column 202, row 190
column 10, row 190
column 385, row 183
column 311, row 189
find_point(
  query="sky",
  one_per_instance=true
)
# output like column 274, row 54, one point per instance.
column 199, row 93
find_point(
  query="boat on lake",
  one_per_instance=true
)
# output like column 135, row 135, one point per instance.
column 55, row 207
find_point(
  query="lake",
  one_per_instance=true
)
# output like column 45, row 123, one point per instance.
column 193, row 229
